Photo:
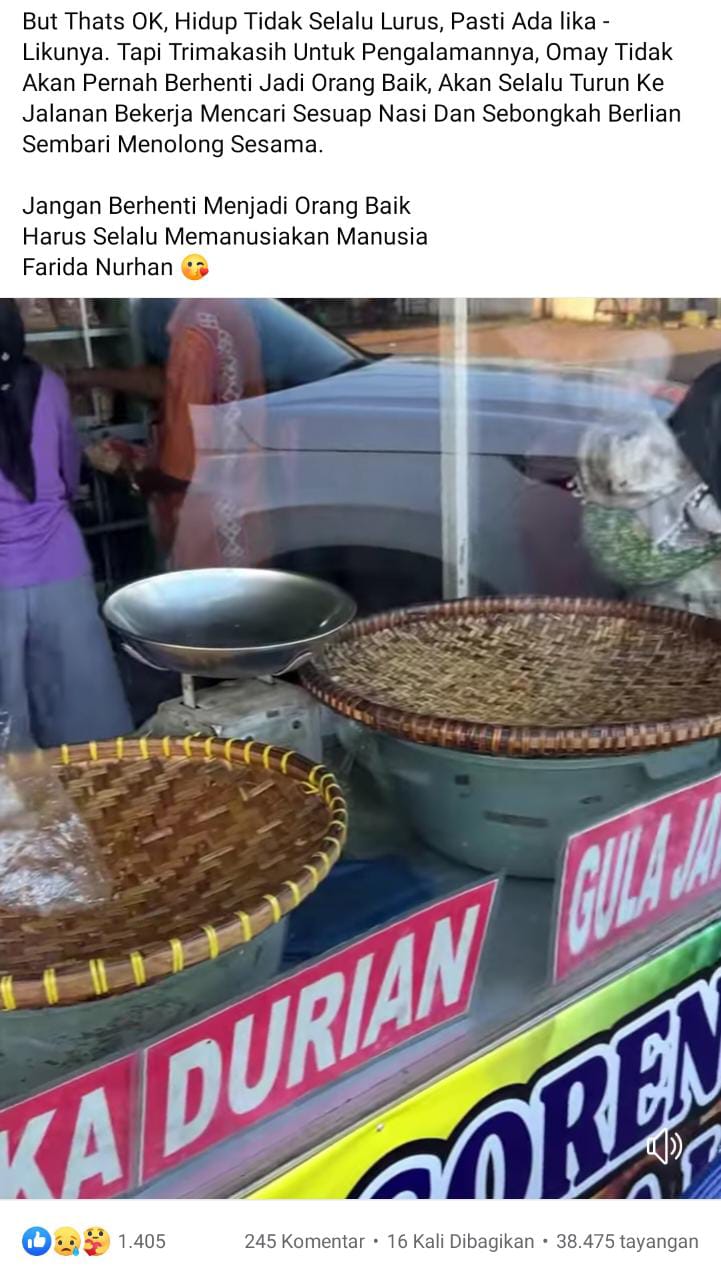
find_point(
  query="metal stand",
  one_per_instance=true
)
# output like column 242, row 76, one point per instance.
column 188, row 687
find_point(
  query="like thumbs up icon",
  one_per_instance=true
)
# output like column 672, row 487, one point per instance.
column 36, row 1241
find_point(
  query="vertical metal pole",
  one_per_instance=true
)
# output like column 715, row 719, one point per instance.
column 98, row 483
column 87, row 343
column 454, row 446
column 188, row 687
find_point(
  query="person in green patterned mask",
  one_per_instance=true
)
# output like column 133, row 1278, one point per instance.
column 652, row 502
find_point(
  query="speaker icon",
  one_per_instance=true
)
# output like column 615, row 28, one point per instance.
column 665, row 1146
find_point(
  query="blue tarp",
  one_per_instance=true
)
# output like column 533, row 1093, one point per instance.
column 358, row 897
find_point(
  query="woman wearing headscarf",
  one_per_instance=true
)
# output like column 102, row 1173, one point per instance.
column 58, row 679
column 652, row 502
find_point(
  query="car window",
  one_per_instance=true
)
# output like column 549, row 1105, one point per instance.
column 295, row 350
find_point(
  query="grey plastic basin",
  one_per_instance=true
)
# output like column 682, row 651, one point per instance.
column 40, row 1046
column 500, row 814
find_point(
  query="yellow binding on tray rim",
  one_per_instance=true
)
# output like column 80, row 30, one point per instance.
column 295, row 891
column 137, row 965
column 98, row 977
column 308, row 866
column 213, row 941
column 50, row 984
column 246, row 924
column 274, row 906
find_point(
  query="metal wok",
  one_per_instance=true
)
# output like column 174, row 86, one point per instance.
column 227, row 623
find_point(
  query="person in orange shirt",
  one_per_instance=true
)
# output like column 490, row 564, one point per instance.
column 214, row 359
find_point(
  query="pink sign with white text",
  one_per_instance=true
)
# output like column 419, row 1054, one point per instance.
column 73, row 1141
column 212, row 1080
column 635, row 870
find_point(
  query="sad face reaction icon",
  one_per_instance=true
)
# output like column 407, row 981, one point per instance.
column 67, row 1242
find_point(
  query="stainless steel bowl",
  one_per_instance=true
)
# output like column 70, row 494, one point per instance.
column 227, row 623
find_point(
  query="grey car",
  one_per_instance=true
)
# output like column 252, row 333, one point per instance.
column 337, row 468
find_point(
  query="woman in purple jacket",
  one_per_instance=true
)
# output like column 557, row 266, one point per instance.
column 58, row 679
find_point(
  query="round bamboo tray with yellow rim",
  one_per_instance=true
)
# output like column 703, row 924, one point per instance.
column 208, row 843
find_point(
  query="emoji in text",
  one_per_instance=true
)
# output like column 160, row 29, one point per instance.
column 194, row 266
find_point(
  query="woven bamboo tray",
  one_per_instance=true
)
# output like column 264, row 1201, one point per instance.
column 529, row 676
column 208, row 842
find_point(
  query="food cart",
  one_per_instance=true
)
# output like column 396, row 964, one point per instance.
column 402, row 1020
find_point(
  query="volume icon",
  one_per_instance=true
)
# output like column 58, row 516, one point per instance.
column 665, row 1146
